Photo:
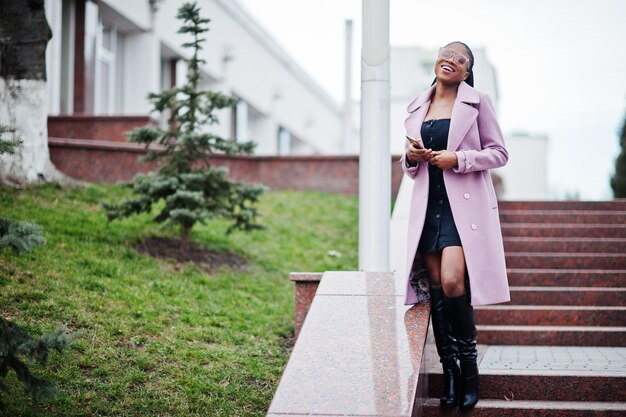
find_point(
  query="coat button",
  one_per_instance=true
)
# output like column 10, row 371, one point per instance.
column 474, row 227
column 466, row 195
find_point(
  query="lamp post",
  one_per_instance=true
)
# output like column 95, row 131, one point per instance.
column 375, row 155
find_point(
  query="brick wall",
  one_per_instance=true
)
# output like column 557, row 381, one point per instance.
column 112, row 161
column 109, row 128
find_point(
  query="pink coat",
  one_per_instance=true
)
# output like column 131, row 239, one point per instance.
column 475, row 137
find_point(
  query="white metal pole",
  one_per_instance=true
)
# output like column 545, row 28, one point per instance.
column 346, row 137
column 375, row 158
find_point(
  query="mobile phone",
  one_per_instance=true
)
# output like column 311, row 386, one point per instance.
column 417, row 143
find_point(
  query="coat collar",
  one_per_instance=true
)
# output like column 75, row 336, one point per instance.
column 463, row 113
column 465, row 94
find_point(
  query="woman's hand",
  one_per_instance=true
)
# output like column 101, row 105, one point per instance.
column 415, row 154
column 444, row 159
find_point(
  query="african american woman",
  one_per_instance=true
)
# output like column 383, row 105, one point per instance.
column 453, row 140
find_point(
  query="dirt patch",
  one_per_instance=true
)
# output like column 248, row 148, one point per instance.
column 167, row 248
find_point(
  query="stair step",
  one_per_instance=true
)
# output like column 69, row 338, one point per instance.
column 552, row 335
column 582, row 296
column 515, row 408
column 566, row 277
column 612, row 205
column 566, row 260
column 564, row 230
column 550, row 315
column 563, row 216
column 564, row 244
column 546, row 373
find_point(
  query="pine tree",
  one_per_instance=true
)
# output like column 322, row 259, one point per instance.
column 618, row 181
column 16, row 343
column 192, row 190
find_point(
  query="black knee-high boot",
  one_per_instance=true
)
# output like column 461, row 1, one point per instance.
column 446, row 347
column 464, row 330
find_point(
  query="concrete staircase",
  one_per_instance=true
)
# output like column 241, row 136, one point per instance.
column 559, row 346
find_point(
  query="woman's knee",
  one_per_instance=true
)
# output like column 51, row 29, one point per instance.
column 453, row 283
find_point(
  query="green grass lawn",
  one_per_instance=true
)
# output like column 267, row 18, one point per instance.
column 154, row 337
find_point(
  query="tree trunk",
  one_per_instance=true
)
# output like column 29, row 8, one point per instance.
column 24, row 35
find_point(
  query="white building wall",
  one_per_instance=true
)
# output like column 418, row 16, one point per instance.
column 54, row 13
column 259, row 72
column 525, row 175
column 241, row 59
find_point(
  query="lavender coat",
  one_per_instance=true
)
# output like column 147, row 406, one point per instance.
column 475, row 137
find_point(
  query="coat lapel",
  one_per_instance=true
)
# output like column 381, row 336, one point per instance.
column 463, row 115
column 419, row 107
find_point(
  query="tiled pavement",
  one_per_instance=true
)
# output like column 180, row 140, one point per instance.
column 579, row 359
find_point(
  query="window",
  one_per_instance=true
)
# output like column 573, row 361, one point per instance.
column 106, row 69
column 284, row 141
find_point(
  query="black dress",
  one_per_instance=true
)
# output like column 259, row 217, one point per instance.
column 439, row 228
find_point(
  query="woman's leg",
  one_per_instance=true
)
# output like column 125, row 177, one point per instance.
column 462, row 321
column 432, row 263
column 452, row 272
column 446, row 345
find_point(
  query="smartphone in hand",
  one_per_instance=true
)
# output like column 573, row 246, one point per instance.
column 417, row 143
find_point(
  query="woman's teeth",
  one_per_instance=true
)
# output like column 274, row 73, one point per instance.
column 447, row 68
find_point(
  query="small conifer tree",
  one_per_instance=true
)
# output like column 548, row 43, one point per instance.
column 16, row 343
column 192, row 190
column 618, row 181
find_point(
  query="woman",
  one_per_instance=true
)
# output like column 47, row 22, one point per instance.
column 454, row 224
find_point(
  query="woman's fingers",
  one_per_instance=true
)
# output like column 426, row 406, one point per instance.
column 425, row 153
column 420, row 154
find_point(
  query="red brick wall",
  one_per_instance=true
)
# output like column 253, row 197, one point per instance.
column 109, row 128
column 107, row 162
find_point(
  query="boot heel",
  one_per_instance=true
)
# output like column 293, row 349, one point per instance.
column 469, row 386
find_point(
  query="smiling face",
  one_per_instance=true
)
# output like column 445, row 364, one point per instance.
column 448, row 70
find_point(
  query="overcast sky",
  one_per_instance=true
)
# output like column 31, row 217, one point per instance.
column 561, row 65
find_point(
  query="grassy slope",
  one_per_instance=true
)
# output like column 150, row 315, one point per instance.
column 154, row 338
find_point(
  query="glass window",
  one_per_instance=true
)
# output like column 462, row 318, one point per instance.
column 106, row 48
column 284, row 141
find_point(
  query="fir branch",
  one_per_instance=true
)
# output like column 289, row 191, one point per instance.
column 20, row 236
column 9, row 146
column 17, row 346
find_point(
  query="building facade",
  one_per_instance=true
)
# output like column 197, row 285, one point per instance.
column 107, row 55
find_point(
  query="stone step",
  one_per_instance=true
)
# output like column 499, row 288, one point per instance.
column 612, row 205
column 547, row 377
column 500, row 408
column 566, row 260
column 550, row 315
column 552, row 335
column 563, row 216
column 566, row 277
column 564, row 230
column 564, row 244
column 573, row 296
column 538, row 385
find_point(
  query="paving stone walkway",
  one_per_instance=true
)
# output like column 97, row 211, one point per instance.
column 581, row 359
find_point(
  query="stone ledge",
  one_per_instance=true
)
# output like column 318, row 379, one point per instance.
column 356, row 355
column 305, row 276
